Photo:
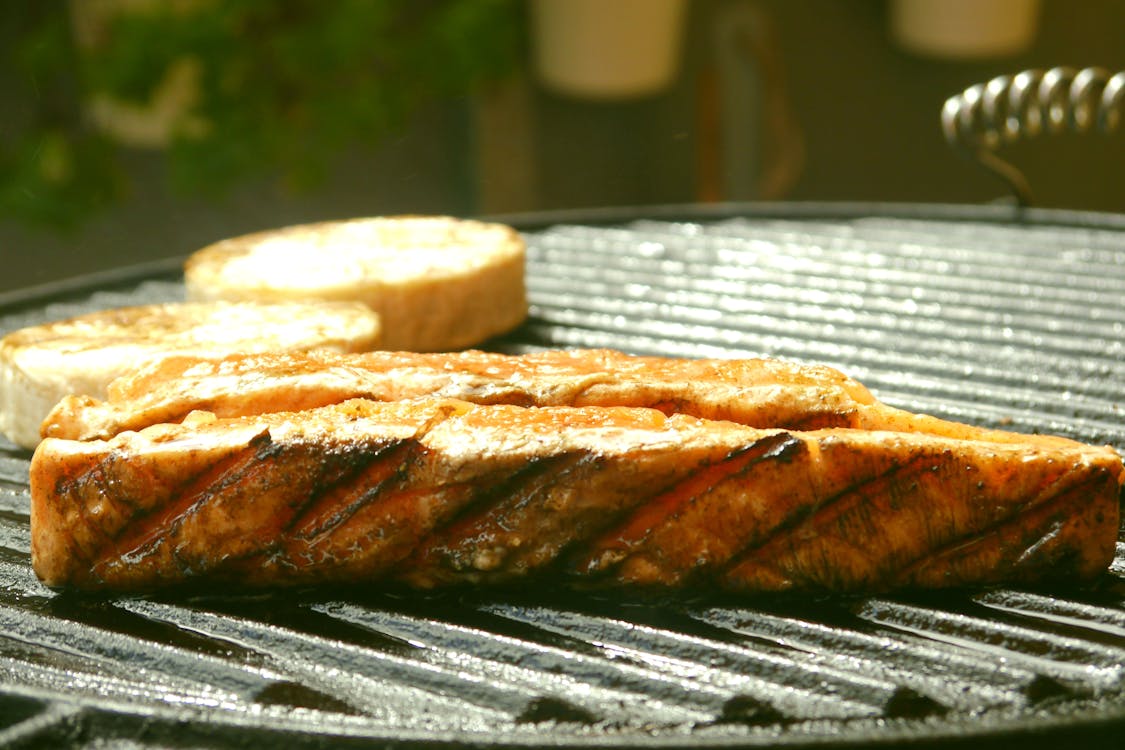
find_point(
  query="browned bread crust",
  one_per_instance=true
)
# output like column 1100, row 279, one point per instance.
column 438, row 283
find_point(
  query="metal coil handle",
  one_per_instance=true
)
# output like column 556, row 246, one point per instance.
column 988, row 115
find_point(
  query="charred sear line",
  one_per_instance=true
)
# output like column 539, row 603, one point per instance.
column 605, row 553
column 365, row 476
column 840, row 503
column 152, row 527
column 1026, row 529
column 95, row 481
column 75, row 490
column 529, row 522
column 457, row 540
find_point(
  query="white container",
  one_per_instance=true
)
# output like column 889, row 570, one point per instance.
column 607, row 49
column 965, row 29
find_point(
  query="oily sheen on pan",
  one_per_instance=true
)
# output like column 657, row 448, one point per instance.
column 432, row 491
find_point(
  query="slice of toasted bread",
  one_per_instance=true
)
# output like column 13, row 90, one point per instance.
column 438, row 283
column 42, row 364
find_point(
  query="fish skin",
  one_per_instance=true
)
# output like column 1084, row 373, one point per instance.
column 438, row 492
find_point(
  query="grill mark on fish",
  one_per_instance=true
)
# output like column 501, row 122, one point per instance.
column 74, row 487
column 313, row 472
column 374, row 474
column 682, row 500
column 857, row 495
column 870, row 514
column 151, row 529
column 456, row 543
column 90, row 535
column 610, row 549
column 342, row 470
column 1018, row 538
column 373, row 471
column 381, row 545
column 528, row 529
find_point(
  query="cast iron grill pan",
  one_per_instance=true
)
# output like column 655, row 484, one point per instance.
column 967, row 314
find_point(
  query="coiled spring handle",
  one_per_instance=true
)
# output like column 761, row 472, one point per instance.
column 988, row 115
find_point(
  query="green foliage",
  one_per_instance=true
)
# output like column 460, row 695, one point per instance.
column 54, row 170
column 280, row 88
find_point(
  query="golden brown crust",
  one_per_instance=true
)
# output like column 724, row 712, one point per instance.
column 438, row 283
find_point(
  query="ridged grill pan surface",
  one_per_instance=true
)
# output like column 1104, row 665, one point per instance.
column 979, row 315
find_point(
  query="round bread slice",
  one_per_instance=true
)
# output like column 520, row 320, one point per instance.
column 438, row 283
column 80, row 356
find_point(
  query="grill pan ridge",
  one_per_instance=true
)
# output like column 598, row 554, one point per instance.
column 972, row 314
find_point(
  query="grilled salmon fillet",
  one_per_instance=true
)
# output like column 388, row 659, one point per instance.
column 763, row 393
column 433, row 492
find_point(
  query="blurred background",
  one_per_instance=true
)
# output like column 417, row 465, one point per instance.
column 136, row 130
